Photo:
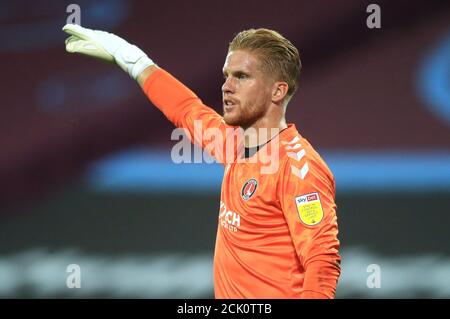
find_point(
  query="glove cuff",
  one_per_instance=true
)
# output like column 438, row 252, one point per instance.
column 140, row 66
column 132, row 59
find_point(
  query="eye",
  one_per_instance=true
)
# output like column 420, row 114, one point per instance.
column 242, row 76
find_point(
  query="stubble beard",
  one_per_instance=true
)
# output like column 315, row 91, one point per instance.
column 244, row 117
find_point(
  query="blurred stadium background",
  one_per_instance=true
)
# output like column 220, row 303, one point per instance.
column 85, row 170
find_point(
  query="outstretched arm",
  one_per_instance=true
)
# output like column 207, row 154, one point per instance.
column 180, row 105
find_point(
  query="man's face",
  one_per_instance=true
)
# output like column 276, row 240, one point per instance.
column 246, row 91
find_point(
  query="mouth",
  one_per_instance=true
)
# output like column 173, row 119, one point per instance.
column 229, row 104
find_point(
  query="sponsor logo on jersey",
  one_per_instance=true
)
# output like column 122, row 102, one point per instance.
column 249, row 188
column 309, row 208
column 229, row 219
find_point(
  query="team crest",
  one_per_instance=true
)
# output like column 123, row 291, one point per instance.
column 249, row 189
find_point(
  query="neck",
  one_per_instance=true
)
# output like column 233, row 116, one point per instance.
column 262, row 131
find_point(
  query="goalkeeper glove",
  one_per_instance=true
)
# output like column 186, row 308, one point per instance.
column 106, row 46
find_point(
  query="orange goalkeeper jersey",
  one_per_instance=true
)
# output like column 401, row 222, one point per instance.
column 277, row 231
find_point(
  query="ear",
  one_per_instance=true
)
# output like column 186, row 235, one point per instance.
column 279, row 91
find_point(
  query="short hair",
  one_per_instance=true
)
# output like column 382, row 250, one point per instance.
column 278, row 55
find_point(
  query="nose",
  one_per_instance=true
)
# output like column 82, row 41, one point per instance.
column 228, row 86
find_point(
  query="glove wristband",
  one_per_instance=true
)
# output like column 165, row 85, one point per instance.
column 132, row 59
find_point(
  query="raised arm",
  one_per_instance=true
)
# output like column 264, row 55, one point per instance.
column 178, row 103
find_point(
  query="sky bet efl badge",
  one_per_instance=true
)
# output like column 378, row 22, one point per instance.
column 309, row 208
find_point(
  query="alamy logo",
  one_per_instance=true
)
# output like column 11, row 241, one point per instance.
column 373, row 21
column 226, row 146
column 374, row 279
column 74, row 278
column 75, row 14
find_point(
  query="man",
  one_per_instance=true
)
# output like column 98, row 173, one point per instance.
column 277, row 232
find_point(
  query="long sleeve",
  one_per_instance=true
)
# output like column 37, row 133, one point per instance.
column 185, row 110
column 307, row 199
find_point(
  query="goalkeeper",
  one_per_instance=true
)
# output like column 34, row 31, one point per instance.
column 277, row 232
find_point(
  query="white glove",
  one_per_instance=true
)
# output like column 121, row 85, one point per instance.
column 106, row 46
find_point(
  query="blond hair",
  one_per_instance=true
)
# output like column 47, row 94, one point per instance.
column 278, row 55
